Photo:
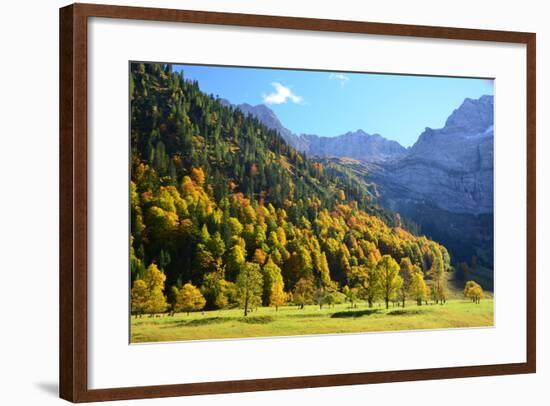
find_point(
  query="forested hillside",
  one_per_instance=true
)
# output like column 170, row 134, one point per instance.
column 442, row 186
column 225, row 212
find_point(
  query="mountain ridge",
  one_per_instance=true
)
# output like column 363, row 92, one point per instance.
column 463, row 146
column 356, row 144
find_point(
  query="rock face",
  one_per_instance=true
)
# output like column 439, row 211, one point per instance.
column 354, row 144
column 270, row 119
column 266, row 116
column 451, row 167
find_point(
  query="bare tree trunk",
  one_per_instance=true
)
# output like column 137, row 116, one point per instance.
column 246, row 304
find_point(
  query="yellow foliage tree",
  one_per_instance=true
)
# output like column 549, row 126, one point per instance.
column 439, row 277
column 154, row 280
column 341, row 195
column 259, row 257
column 407, row 269
column 303, row 292
column 189, row 299
column 371, row 284
column 473, row 291
column 249, row 284
column 390, row 281
column 139, row 297
column 418, row 289
column 278, row 295
column 351, row 295
column 197, row 174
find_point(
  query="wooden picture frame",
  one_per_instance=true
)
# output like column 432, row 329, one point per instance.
column 74, row 201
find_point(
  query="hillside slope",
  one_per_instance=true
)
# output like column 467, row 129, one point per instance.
column 213, row 189
column 443, row 183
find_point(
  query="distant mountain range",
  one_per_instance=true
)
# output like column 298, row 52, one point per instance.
column 353, row 144
column 444, row 182
column 451, row 166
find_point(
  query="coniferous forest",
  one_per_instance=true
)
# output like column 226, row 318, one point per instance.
column 225, row 215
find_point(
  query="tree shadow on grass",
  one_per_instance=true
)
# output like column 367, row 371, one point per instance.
column 354, row 313
column 306, row 315
column 217, row 320
column 197, row 322
column 256, row 319
column 402, row 312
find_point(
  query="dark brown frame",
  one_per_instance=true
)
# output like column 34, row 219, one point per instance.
column 73, row 201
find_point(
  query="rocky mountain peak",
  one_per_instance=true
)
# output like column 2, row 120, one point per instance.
column 264, row 114
column 473, row 116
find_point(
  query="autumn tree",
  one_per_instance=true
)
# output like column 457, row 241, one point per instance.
column 249, row 284
column 438, row 277
column 154, row 279
column 236, row 258
column 418, row 289
column 372, row 286
column 321, row 268
column 299, row 265
column 215, row 290
column 172, row 297
column 351, row 295
column 235, row 227
column 139, row 296
column 341, row 195
column 278, row 296
column 473, row 291
column 320, row 294
column 406, row 271
column 189, row 299
column 216, row 246
column 259, row 256
column 390, row 281
column 303, row 292
column 198, row 176
column 136, row 264
column 335, row 297
column 271, row 274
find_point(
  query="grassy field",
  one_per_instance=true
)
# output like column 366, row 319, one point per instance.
column 290, row 320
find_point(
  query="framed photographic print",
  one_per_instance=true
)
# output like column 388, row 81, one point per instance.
column 256, row 202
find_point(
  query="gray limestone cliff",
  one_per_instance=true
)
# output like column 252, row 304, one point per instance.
column 452, row 167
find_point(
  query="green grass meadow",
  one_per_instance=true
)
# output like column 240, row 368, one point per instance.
column 291, row 321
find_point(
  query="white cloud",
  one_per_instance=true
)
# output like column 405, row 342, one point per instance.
column 340, row 77
column 281, row 95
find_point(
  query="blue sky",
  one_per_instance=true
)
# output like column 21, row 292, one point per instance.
column 398, row 107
